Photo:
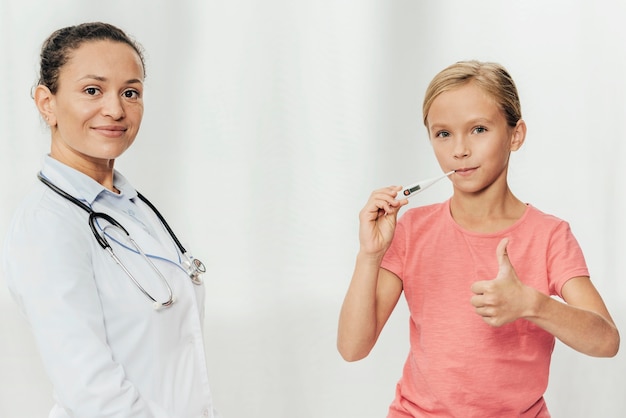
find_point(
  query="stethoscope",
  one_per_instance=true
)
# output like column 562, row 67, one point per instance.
column 193, row 267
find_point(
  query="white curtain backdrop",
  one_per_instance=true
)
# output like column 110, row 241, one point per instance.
column 268, row 123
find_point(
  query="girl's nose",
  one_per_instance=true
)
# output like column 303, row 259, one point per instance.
column 461, row 148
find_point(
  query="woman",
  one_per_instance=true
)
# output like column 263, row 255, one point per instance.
column 118, row 319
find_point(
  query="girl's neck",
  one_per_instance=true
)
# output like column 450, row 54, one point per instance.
column 487, row 211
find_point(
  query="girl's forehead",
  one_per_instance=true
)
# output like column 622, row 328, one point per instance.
column 466, row 96
column 470, row 88
column 464, row 104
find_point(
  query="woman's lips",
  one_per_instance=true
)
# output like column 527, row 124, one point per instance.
column 112, row 131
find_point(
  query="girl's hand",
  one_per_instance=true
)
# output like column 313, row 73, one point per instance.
column 378, row 220
column 505, row 298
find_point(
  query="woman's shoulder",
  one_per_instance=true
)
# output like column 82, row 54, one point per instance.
column 40, row 200
column 42, row 213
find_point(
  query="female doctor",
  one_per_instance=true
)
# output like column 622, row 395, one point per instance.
column 114, row 301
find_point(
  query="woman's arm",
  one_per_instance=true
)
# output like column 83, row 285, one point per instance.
column 373, row 292
column 50, row 274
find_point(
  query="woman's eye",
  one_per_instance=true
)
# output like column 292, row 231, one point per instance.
column 131, row 94
column 92, row 91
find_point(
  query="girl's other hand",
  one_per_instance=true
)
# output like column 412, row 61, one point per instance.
column 377, row 220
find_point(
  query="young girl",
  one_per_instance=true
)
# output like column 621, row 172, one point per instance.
column 477, row 271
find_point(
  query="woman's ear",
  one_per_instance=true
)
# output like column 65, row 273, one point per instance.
column 44, row 100
column 518, row 135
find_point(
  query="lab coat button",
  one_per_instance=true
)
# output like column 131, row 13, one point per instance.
column 205, row 412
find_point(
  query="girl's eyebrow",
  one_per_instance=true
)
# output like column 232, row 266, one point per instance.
column 438, row 127
column 473, row 121
column 479, row 120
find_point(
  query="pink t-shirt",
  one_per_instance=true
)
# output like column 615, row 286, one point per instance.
column 458, row 365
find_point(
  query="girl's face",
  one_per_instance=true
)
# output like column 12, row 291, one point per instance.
column 469, row 134
column 97, row 110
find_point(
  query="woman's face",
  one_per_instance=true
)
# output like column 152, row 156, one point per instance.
column 97, row 110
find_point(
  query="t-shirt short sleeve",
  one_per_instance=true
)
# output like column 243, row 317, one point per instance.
column 565, row 258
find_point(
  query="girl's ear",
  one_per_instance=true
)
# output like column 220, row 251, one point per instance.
column 44, row 100
column 518, row 135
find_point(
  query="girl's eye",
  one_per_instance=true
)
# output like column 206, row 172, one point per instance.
column 442, row 134
column 480, row 129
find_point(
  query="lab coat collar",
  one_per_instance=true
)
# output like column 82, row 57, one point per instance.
column 81, row 185
column 89, row 191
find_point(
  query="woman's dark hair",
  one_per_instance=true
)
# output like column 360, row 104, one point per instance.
column 56, row 50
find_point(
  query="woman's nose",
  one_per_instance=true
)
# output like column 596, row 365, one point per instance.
column 113, row 107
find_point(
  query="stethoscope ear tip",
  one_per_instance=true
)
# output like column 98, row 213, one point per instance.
column 160, row 305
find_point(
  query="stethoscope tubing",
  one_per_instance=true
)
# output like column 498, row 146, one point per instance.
column 93, row 214
column 102, row 241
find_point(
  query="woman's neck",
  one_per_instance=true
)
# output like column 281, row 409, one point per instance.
column 98, row 169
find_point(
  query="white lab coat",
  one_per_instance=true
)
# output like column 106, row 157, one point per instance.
column 107, row 351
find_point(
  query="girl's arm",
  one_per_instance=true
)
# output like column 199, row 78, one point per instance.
column 582, row 322
column 373, row 292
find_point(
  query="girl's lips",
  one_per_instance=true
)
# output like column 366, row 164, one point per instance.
column 465, row 171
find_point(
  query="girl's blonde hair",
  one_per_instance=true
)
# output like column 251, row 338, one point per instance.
column 493, row 78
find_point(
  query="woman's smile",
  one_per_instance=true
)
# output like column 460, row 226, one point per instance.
column 111, row 131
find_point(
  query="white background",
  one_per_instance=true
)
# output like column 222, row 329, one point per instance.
column 268, row 123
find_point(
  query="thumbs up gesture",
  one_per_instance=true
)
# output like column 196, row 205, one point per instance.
column 505, row 298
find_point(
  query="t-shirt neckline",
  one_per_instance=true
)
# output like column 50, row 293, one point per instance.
column 485, row 234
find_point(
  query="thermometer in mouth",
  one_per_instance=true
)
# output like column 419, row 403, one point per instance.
column 415, row 188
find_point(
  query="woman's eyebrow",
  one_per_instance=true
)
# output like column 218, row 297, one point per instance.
column 103, row 79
